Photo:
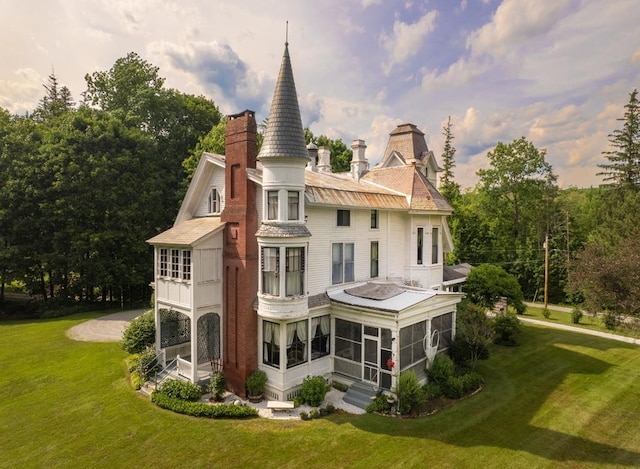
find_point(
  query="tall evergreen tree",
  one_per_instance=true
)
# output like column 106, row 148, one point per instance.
column 448, row 187
column 623, row 169
column 56, row 100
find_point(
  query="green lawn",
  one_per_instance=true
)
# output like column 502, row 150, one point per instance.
column 559, row 400
column 587, row 321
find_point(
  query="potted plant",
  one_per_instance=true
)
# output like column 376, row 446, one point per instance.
column 255, row 385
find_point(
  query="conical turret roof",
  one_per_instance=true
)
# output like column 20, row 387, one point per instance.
column 284, row 136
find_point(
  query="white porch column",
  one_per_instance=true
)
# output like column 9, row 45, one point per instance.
column 194, row 348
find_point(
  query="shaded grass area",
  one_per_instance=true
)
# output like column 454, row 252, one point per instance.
column 559, row 400
column 586, row 322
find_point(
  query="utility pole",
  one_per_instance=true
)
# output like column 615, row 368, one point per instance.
column 546, row 270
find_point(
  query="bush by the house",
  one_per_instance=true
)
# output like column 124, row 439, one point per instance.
column 131, row 362
column 314, row 388
column 184, row 390
column 576, row 315
column 379, row 404
column 304, row 415
column 340, row 386
column 147, row 363
column 506, row 328
column 140, row 333
column 137, row 380
column 217, row 386
column 472, row 381
column 331, row 408
column 409, row 391
column 200, row 409
column 453, row 387
column 441, row 369
column 314, row 414
column 431, row 390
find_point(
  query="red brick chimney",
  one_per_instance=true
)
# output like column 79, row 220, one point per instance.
column 240, row 252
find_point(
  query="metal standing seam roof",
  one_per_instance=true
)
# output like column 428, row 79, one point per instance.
column 189, row 232
column 284, row 135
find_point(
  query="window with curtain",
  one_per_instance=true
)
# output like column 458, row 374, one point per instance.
column 186, row 265
column 420, row 242
column 374, row 259
column 214, row 201
column 342, row 262
column 297, row 343
column 175, row 263
column 294, row 276
column 270, row 268
column 164, row 262
column 271, row 344
column 435, row 245
column 294, row 205
column 272, row 205
column 320, row 336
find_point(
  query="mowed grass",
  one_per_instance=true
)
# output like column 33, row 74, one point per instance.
column 587, row 321
column 561, row 399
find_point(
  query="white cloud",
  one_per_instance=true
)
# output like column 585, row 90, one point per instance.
column 407, row 39
column 516, row 21
column 19, row 95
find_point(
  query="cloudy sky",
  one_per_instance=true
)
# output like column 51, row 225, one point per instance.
column 557, row 72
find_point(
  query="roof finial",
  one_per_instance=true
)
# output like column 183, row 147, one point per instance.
column 286, row 35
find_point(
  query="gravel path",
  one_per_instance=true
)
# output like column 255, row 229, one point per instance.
column 108, row 328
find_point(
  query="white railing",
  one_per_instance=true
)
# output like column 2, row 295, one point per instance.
column 184, row 367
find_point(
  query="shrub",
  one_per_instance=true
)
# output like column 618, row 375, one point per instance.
column 217, row 386
column 410, row 395
column 610, row 320
column 379, row 404
column 331, row 409
column 472, row 381
column 340, row 386
column 140, row 333
column 507, row 329
column 431, row 390
column 298, row 401
column 441, row 369
column 313, row 390
column 576, row 315
column 304, row 415
column 147, row 363
column 137, row 380
column 453, row 388
column 184, row 390
column 131, row 362
column 546, row 312
column 200, row 409
column 323, row 411
column 314, row 414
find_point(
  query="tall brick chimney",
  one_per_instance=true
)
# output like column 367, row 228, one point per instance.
column 240, row 252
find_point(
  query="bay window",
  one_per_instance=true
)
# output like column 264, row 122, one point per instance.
column 294, row 276
column 270, row 268
column 271, row 344
column 297, row 343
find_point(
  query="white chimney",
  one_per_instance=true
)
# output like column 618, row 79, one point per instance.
column 324, row 160
column 359, row 164
column 313, row 156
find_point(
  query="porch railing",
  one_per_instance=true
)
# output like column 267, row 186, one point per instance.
column 184, row 367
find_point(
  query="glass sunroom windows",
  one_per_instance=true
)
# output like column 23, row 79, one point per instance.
column 270, row 268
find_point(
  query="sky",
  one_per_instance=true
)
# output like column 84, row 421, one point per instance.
column 556, row 72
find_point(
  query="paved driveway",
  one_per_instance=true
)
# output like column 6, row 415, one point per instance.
column 108, row 328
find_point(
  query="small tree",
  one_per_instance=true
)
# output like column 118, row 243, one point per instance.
column 487, row 283
column 314, row 388
column 476, row 329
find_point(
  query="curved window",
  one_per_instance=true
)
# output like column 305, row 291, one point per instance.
column 214, row 201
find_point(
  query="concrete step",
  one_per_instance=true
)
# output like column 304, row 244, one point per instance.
column 360, row 395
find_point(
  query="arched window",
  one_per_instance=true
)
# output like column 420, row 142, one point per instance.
column 214, row 201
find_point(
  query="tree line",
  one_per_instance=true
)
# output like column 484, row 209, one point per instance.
column 83, row 185
column 516, row 207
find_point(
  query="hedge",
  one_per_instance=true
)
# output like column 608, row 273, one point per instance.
column 200, row 409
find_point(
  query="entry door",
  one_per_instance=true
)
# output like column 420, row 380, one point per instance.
column 371, row 369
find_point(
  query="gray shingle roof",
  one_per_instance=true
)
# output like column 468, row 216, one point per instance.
column 284, row 136
column 268, row 230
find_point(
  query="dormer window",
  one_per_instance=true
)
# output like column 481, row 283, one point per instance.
column 214, row 201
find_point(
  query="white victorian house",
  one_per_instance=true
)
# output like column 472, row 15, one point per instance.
column 274, row 262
